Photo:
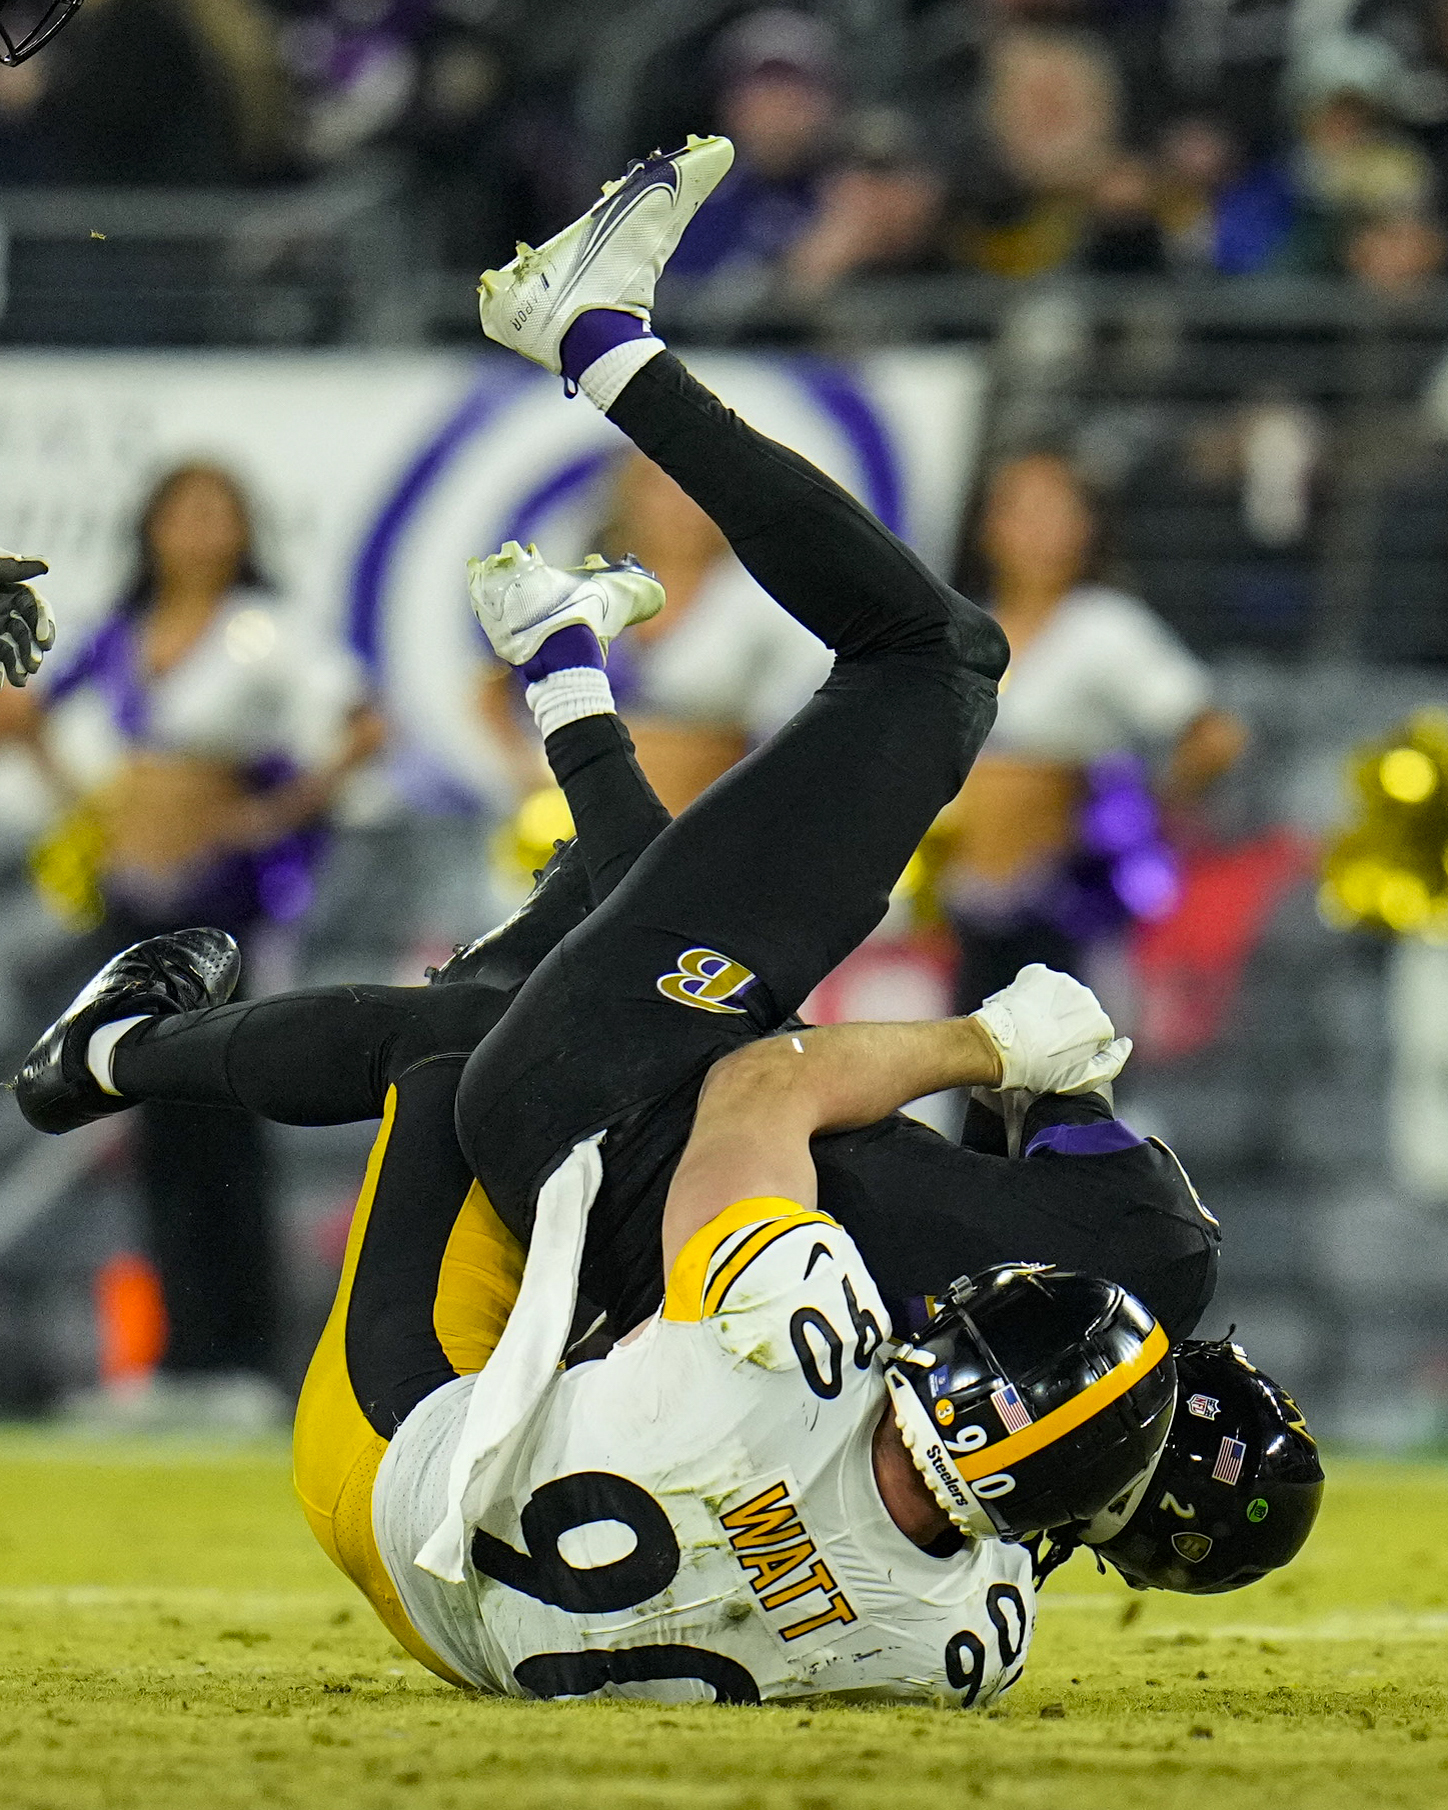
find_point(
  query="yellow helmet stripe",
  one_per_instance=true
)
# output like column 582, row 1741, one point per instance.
column 1070, row 1415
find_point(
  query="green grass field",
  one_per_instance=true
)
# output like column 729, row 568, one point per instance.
column 172, row 1641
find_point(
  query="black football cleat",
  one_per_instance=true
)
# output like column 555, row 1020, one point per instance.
column 180, row 972
column 505, row 957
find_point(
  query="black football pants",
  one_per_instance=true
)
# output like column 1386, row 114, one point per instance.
column 734, row 912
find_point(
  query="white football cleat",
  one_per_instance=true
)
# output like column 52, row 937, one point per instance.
column 521, row 600
column 611, row 258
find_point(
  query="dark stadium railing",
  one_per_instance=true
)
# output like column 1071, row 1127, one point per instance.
column 324, row 263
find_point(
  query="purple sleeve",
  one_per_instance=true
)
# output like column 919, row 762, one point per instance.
column 1103, row 1137
column 93, row 656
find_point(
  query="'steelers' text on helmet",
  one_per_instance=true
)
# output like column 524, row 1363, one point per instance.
column 1235, row 1492
column 1033, row 1398
column 26, row 25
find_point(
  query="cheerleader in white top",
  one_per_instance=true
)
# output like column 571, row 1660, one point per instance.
column 1105, row 721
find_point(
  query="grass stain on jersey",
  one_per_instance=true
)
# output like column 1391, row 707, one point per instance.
column 763, row 1354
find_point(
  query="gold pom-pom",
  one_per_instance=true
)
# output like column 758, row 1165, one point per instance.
column 1389, row 870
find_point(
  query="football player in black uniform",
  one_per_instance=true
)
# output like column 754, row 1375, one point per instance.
column 758, row 891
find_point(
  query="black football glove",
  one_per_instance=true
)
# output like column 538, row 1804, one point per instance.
column 27, row 632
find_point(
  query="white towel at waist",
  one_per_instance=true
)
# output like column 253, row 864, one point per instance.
column 509, row 1387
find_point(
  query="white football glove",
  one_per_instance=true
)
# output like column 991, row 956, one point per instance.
column 1051, row 1034
column 26, row 629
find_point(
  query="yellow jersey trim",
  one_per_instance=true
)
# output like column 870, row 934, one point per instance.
column 1060, row 1421
column 754, row 1246
column 689, row 1280
column 336, row 1452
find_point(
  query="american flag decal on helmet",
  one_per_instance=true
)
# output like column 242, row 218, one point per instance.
column 1230, row 1455
column 1015, row 1415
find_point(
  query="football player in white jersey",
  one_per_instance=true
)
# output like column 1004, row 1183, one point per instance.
column 751, row 1418
column 765, row 1386
column 728, row 1504
column 724, row 1505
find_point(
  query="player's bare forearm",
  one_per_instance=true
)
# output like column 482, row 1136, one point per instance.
column 841, row 1076
column 759, row 1108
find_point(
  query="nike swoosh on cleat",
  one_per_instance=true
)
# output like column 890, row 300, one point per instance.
column 623, row 201
column 614, row 211
column 642, row 174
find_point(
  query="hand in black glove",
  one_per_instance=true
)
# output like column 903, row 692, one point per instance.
column 27, row 632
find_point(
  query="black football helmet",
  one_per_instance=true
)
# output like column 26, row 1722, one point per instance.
column 1235, row 1492
column 26, row 25
column 1033, row 1398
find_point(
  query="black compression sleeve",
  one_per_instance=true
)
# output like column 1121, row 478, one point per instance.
column 616, row 812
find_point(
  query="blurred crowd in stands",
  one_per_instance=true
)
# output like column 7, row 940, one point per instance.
column 1009, row 137
column 1138, row 506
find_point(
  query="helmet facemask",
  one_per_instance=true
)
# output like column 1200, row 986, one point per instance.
column 936, row 1463
column 28, row 25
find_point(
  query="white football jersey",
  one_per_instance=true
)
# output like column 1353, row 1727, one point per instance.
column 696, row 1515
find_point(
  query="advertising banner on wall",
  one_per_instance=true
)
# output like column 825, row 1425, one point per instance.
column 375, row 477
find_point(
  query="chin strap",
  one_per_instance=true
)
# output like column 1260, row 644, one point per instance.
column 1049, row 1551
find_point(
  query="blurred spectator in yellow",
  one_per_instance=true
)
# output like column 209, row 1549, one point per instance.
column 1039, row 176
column 1036, row 144
column 161, row 92
column 1055, row 837
column 813, row 195
column 1353, row 162
column 717, row 672
column 198, row 736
